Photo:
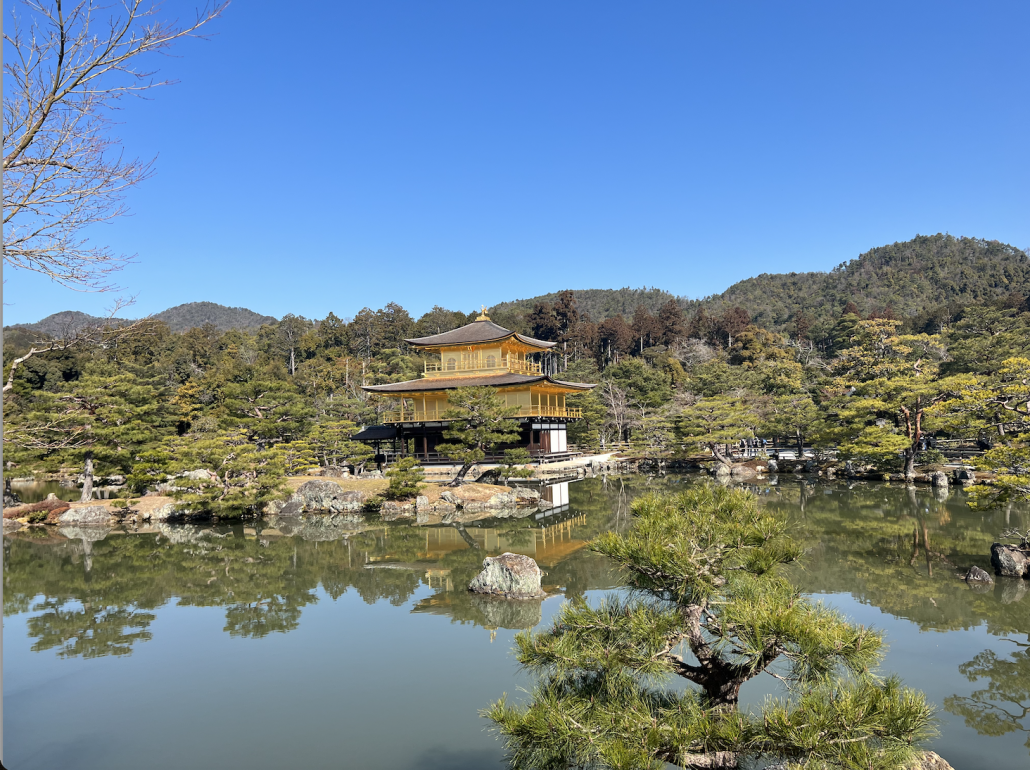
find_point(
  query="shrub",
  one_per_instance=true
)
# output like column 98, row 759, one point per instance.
column 931, row 457
column 405, row 478
column 373, row 504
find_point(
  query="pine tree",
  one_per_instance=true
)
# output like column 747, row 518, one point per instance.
column 104, row 418
column 704, row 572
column 479, row 422
column 716, row 422
column 405, row 479
column 247, row 476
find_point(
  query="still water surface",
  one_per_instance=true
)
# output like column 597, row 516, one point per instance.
column 319, row 645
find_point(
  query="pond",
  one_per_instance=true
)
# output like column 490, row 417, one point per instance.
column 338, row 646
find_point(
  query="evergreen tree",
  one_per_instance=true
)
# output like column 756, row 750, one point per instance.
column 405, row 479
column 479, row 423
column 104, row 418
column 716, row 422
column 704, row 570
column 247, row 476
column 885, row 384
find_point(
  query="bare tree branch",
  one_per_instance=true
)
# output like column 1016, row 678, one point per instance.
column 65, row 68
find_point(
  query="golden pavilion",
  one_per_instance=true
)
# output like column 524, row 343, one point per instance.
column 478, row 354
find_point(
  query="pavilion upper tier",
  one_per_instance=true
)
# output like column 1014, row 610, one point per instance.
column 480, row 348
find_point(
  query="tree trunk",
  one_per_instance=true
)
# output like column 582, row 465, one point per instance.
column 718, row 455
column 87, row 479
column 461, row 475
column 910, row 463
column 801, row 446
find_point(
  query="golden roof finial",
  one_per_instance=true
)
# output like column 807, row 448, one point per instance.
column 484, row 316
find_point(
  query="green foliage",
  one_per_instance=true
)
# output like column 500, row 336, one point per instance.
column 151, row 468
column 514, row 464
column 996, row 405
column 295, row 457
column 37, row 517
column 248, row 477
column 717, row 420
column 405, row 479
column 703, row 568
column 480, row 422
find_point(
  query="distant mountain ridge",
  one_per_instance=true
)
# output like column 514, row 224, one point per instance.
column 195, row 314
column 911, row 278
column 179, row 319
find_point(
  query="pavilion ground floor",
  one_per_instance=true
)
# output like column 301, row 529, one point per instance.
column 544, row 438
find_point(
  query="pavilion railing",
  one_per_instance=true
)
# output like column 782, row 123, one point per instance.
column 481, row 364
column 434, row 415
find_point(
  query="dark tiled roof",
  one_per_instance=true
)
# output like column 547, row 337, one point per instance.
column 376, row 433
column 477, row 331
column 446, row 383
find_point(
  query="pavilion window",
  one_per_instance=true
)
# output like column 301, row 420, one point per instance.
column 491, row 361
column 451, row 364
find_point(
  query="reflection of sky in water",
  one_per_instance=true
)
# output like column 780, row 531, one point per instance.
column 267, row 651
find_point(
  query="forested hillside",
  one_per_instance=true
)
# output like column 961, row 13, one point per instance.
column 180, row 318
column 924, row 280
column 65, row 324
column 598, row 304
column 193, row 315
column 929, row 276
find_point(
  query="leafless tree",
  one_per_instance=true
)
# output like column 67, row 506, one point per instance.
column 66, row 66
column 620, row 417
column 691, row 352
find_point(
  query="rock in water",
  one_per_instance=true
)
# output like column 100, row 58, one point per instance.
column 977, row 575
column 1010, row 561
column 510, row 575
column 89, row 515
column 939, row 479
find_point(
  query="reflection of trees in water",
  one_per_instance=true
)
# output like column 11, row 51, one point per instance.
column 88, row 630
column 861, row 538
column 263, row 579
column 1004, row 705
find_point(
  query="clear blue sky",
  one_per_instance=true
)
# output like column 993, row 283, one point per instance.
column 459, row 153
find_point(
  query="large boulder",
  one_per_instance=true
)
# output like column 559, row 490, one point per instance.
column 721, row 471
column 742, row 471
column 87, row 516
column 939, row 479
column 391, row 510
column 526, row 496
column 449, row 497
column 511, row 575
column 164, row 512
column 1010, row 561
column 323, row 495
column 965, row 476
